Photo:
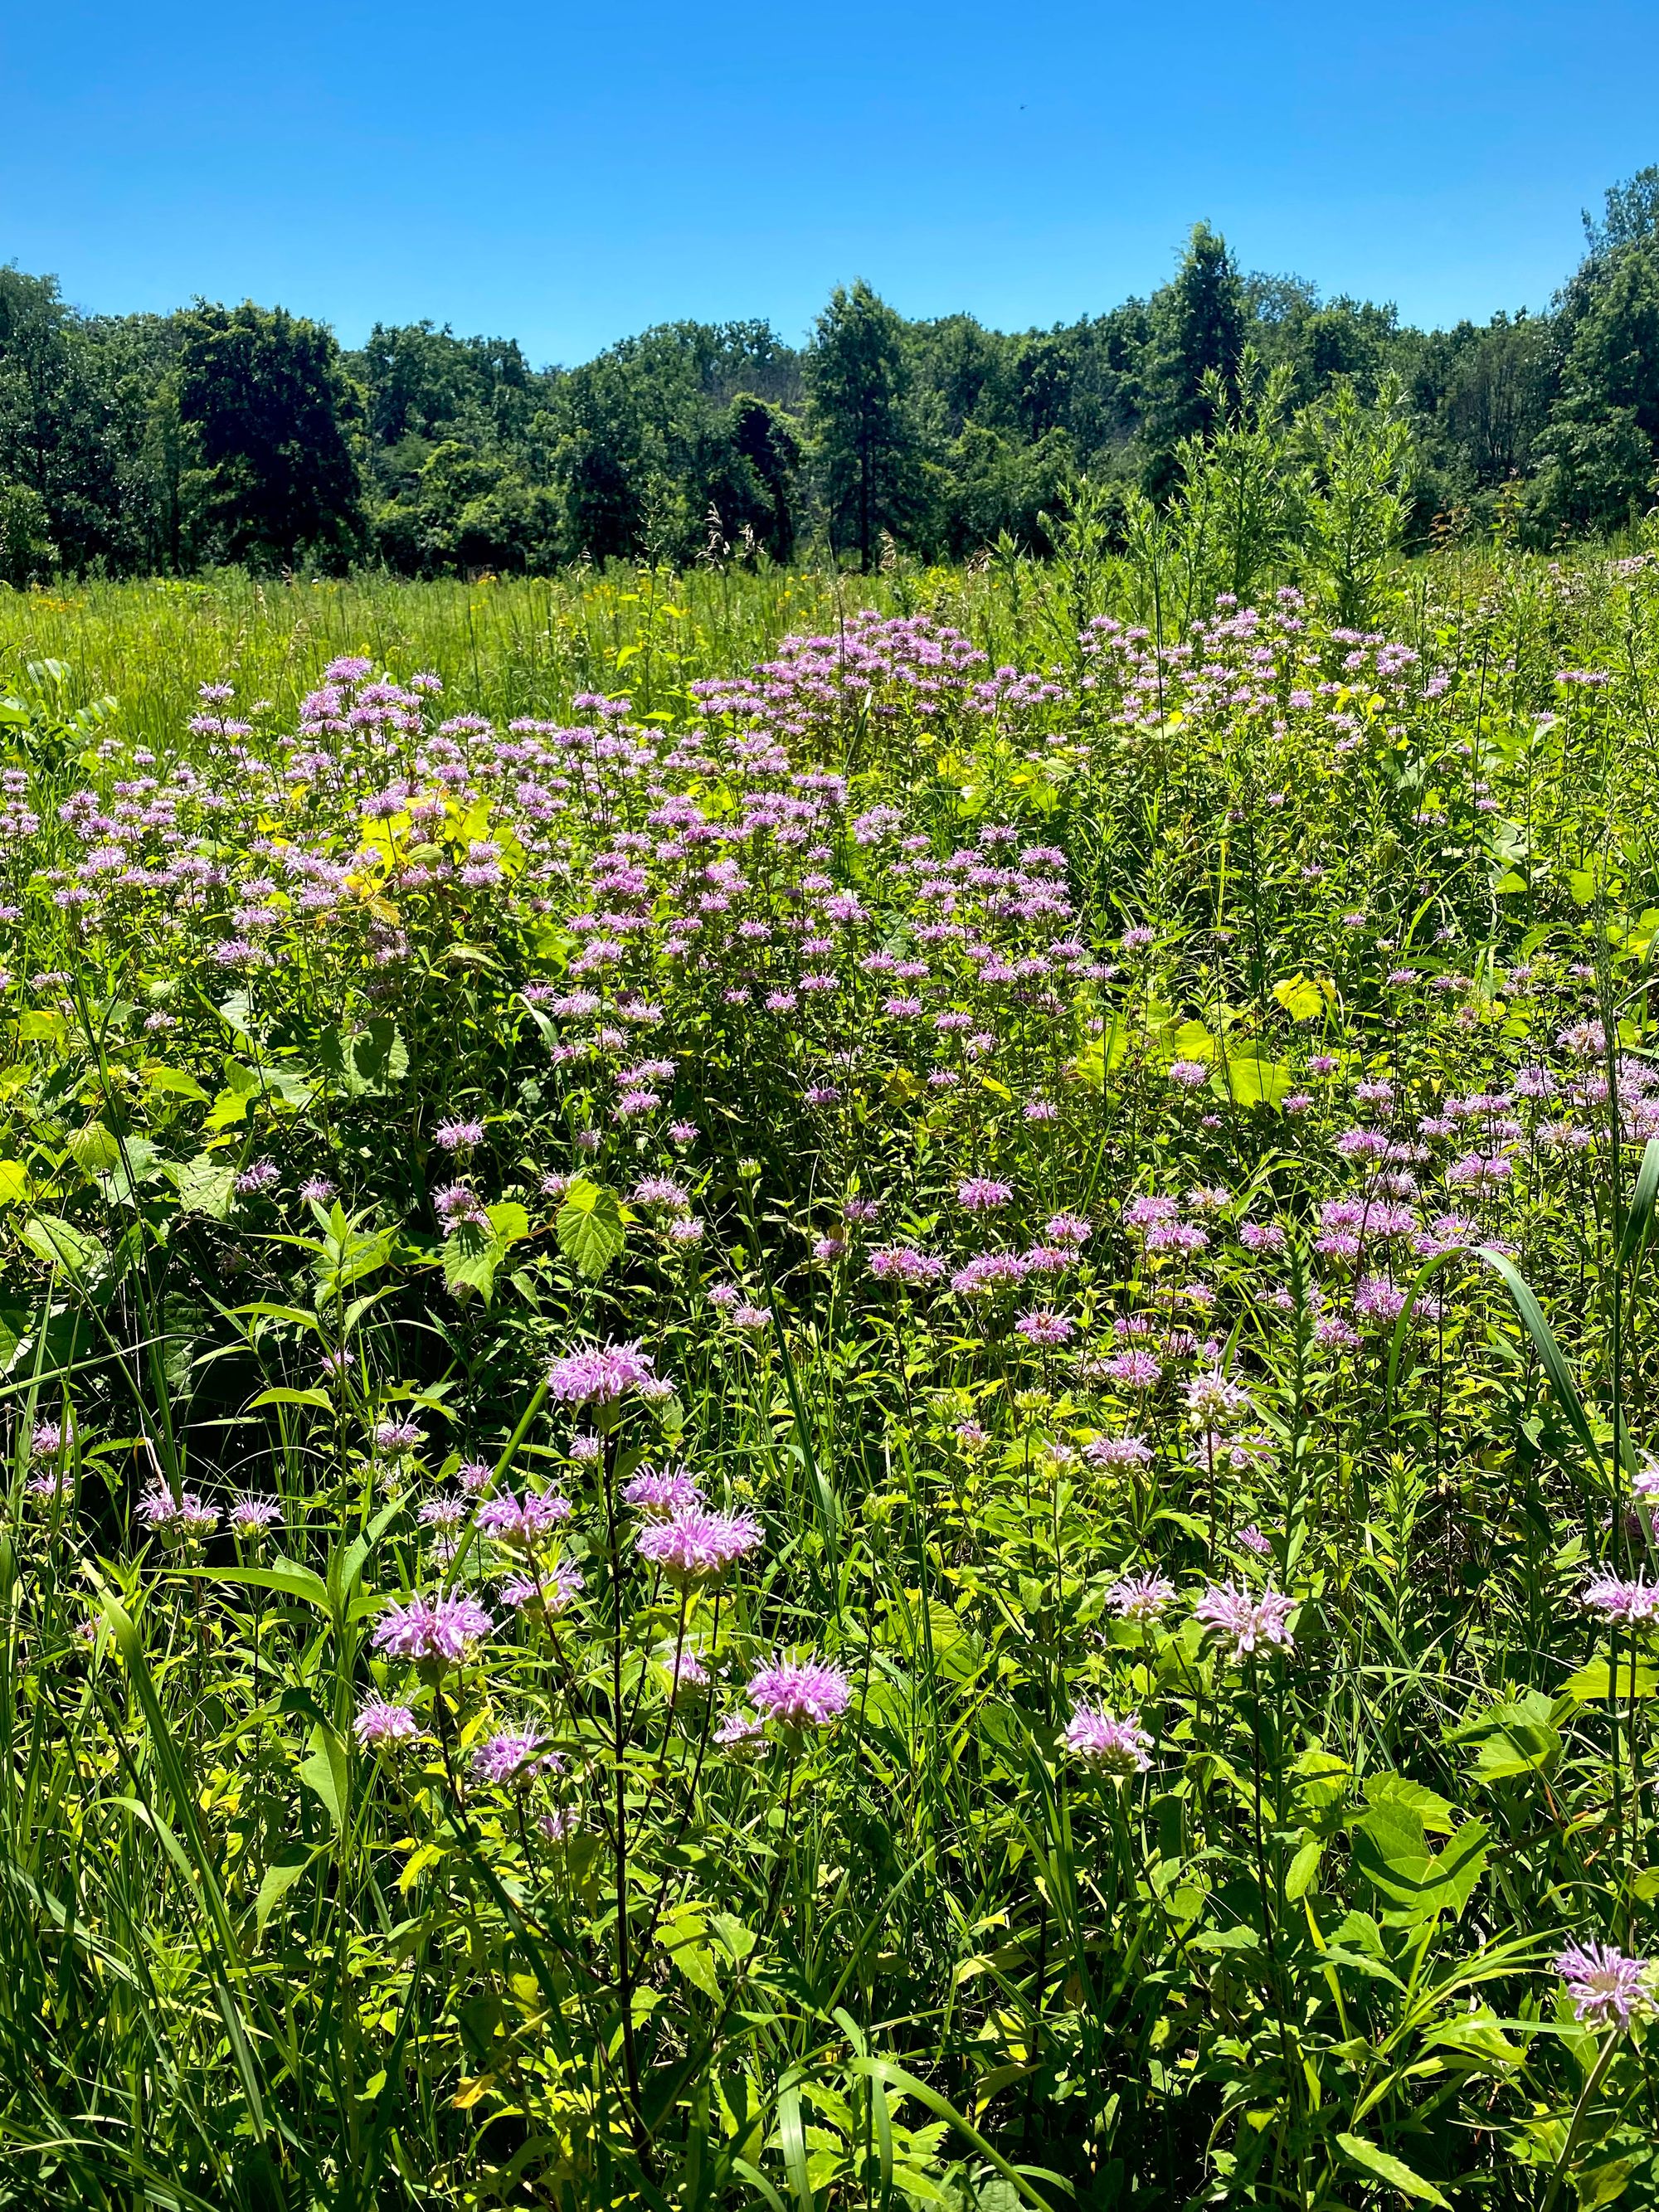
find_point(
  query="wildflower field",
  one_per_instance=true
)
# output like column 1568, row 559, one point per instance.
column 825, row 1395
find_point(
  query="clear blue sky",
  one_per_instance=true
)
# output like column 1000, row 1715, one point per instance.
column 566, row 175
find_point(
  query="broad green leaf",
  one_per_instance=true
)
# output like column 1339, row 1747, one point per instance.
column 472, row 1253
column 1432, row 1814
column 229, row 1108
column 320, row 1398
column 60, row 1244
column 1188, row 1041
column 14, row 1183
column 326, row 1772
column 1512, row 1738
column 1304, row 997
column 590, row 1228
column 42, row 1028
column 204, row 1185
column 175, row 1082
column 365, row 1060
column 1252, row 1079
column 1299, row 1876
column 93, row 1150
column 683, row 1934
column 1370, row 2159
column 1636, row 1678
column 275, row 1884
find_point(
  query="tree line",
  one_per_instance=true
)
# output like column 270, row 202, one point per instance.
column 152, row 444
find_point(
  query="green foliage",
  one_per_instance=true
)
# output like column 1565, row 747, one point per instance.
column 170, row 443
column 262, row 400
column 868, row 442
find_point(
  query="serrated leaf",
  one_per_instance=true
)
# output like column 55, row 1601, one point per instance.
column 229, row 1108
column 204, row 1185
column 1370, row 2158
column 93, row 1150
column 367, row 1060
column 1431, row 1813
column 60, row 1244
column 1251, row 1079
column 590, row 1228
column 509, row 1222
column 173, row 1083
column 683, row 1934
column 471, row 1255
column 1302, row 997
column 1516, row 1737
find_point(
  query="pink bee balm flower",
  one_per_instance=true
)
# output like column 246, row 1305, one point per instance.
column 514, row 1756
column 1107, row 1744
column 440, row 1633
column 598, row 1375
column 548, row 1593
column 381, row 1726
column 1118, row 1451
column 459, row 1136
column 982, row 1195
column 804, row 1694
column 1621, row 1600
column 253, row 1516
column 740, row 1732
column 1046, row 1328
column 660, row 1495
column 1245, row 1620
column 697, row 1546
column 1140, row 1597
column 1607, row 1989
column 523, row 1522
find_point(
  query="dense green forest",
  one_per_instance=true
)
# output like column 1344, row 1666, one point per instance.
column 142, row 444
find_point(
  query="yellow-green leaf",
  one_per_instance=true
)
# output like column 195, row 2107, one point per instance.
column 1370, row 2158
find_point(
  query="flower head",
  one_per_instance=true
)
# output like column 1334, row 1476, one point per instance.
column 459, row 1136
column 601, row 1375
column 548, row 1592
column 253, row 1516
column 694, row 1545
column 661, row 1494
column 1107, row 1744
column 1620, row 1600
column 524, row 1522
column 382, row 1726
column 515, row 1756
column 800, row 1693
column 1246, row 1620
column 1607, row 1988
column 1140, row 1596
column 982, row 1195
column 439, row 1632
